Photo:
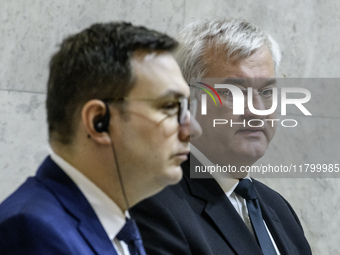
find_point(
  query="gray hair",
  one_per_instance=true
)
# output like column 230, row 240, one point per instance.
column 239, row 37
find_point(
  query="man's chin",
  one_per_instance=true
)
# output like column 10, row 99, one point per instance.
column 252, row 154
column 231, row 175
column 239, row 175
column 173, row 175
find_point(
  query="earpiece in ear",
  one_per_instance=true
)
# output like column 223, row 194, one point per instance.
column 102, row 125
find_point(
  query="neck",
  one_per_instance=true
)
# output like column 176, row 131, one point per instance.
column 231, row 168
column 98, row 165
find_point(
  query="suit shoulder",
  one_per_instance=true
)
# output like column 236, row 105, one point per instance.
column 170, row 201
column 28, row 233
column 32, row 221
column 170, row 193
column 31, row 198
column 272, row 197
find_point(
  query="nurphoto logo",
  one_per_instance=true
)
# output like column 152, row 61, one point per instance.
column 239, row 99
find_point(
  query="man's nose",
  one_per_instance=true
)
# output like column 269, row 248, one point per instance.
column 190, row 129
column 256, row 102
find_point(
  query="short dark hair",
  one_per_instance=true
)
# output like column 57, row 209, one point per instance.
column 94, row 64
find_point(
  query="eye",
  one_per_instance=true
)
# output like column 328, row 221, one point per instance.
column 245, row 92
column 224, row 93
column 170, row 107
column 267, row 92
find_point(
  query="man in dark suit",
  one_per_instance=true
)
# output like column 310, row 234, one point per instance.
column 224, row 212
column 117, row 110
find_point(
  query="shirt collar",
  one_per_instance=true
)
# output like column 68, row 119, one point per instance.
column 227, row 183
column 109, row 214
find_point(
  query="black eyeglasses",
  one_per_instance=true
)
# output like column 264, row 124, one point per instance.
column 179, row 106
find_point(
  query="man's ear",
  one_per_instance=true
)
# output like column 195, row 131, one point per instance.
column 95, row 116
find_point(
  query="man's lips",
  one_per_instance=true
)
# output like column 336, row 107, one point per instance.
column 251, row 130
column 255, row 132
column 183, row 155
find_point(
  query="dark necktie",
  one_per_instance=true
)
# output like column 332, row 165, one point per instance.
column 131, row 236
column 246, row 190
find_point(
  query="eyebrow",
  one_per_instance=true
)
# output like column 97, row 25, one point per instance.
column 243, row 82
column 271, row 81
column 235, row 81
column 170, row 94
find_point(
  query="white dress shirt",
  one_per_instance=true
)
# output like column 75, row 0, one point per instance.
column 109, row 214
column 228, row 185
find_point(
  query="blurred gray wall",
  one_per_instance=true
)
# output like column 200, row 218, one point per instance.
column 307, row 31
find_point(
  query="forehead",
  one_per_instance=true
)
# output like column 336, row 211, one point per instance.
column 241, row 82
column 259, row 65
column 157, row 74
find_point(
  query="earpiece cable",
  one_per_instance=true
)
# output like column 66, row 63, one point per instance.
column 119, row 173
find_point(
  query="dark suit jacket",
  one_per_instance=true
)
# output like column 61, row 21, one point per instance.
column 49, row 215
column 196, row 217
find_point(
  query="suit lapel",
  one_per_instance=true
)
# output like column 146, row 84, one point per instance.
column 220, row 210
column 76, row 205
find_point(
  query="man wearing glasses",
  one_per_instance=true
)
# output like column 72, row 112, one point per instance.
column 119, row 127
column 225, row 212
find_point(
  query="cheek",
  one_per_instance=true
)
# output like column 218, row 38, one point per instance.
column 271, row 132
column 272, row 125
column 214, row 112
column 158, row 141
column 273, row 115
column 135, row 137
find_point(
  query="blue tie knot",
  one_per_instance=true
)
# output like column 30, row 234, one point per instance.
column 129, row 232
column 246, row 189
column 131, row 236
